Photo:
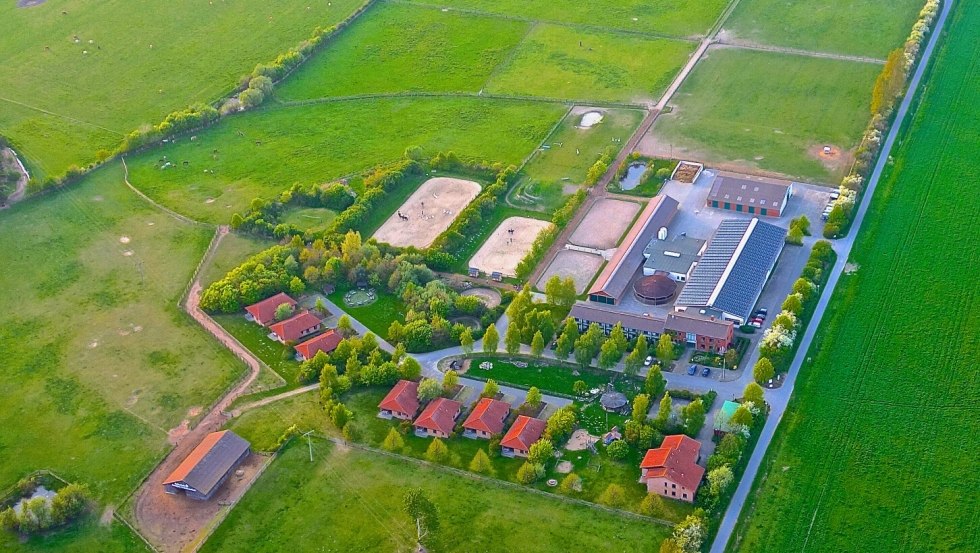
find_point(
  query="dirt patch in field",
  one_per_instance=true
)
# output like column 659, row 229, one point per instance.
column 604, row 224
column 508, row 245
column 29, row 3
column 489, row 296
column 832, row 157
column 581, row 266
column 427, row 212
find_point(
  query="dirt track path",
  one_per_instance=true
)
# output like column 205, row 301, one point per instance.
column 171, row 523
column 21, row 188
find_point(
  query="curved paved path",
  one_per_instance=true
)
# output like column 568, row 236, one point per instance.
column 778, row 399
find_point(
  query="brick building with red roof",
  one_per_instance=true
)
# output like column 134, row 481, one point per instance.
column 264, row 312
column 438, row 418
column 672, row 470
column 295, row 327
column 524, row 432
column 487, row 419
column 326, row 342
column 402, row 402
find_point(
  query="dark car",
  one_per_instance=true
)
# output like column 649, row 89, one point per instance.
column 706, row 372
column 692, row 370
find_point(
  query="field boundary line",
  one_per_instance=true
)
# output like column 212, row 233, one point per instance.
column 66, row 117
column 508, row 59
column 475, row 95
column 581, row 26
column 152, row 202
column 723, row 18
column 498, row 482
column 732, row 514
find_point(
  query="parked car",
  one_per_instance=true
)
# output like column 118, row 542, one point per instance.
column 692, row 370
column 706, row 372
column 762, row 312
column 648, row 361
column 756, row 323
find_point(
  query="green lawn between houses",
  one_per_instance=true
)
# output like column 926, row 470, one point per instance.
column 351, row 500
column 60, row 105
column 878, row 445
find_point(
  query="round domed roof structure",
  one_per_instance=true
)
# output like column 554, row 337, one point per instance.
column 613, row 401
column 655, row 289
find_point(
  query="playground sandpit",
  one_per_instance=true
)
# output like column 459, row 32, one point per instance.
column 580, row 440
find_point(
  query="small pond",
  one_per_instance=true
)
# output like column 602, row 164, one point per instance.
column 633, row 175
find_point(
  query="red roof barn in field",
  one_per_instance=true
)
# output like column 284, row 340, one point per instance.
column 264, row 312
column 402, row 402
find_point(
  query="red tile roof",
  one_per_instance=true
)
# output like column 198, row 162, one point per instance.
column 326, row 342
column 488, row 416
column 264, row 312
column 204, row 467
column 524, row 432
column 440, row 414
column 403, row 398
column 676, row 460
column 291, row 328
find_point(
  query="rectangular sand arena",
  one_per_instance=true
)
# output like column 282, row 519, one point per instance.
column 427, row 212
column 604, row 224
column 581, row 266
column 504, row 250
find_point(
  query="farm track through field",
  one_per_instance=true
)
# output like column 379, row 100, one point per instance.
column 61, row 116
column 149, row 200
column 798, row 52
column 480, row 95
column 780, row 400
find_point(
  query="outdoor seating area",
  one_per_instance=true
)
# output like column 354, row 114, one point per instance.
column 360, row 296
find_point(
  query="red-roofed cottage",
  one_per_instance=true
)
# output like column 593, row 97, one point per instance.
column 487, row 418
column 671, row 470
column 326, row 342
column 295, row 327
column 402, row 402
column 524, row 432
column 438, row 418
column 264, row 312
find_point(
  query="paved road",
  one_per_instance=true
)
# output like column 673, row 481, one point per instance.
column 779, row 398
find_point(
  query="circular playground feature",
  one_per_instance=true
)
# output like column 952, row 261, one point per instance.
column 489, row 296
column 360, row 297
column 655, row 289
column 590, row 119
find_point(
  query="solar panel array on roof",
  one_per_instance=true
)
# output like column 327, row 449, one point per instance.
column 749, row 273
column 713, row 263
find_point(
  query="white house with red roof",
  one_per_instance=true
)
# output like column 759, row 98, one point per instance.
column 524, row 432
column 438, row 418
column 264, row 312
column 326, row 342
column 487, row 419
column 402, row 402
column 296, row 327
column 672, row 469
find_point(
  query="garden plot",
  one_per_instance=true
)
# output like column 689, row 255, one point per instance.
column 604, row 224
column 581, row 266
column 508, row 245
column 428, row 212
column 765, row 112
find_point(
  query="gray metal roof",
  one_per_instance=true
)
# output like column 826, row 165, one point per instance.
column 762, row 192
column 594, row 314
column 734, row 266
column 210, row 461
column 672, row 256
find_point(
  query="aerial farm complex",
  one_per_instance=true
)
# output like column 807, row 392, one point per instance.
column 401, row 275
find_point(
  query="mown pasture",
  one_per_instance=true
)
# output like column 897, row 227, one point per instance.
column 877, row 450
column 351, row 500
column 679, row 18
column 262, row 152
column 556, row 61
column 768, row 112
column 87, row 534
column 99, row 361
column 402, row 48
column 858, row 27
column 60, row 104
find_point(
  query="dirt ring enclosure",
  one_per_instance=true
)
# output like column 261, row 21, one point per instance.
column 428, row 212
column 503, row 250
column 581, row 266
column 604, row 224
column 489, row 296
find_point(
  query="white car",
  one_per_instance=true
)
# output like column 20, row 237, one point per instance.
column 648, row 361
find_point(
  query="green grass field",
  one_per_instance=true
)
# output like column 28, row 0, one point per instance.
column 233, row 250
column 309, row 218
column 401, row 48
column 547, row 377
column 769, row 112
column 260, row 153
column 86, row 535
column 377, row 316
column 563, row 62
column 350, row 500
column 859, row 27
column 879, row 443
column 59, row 105
column 668, row 17
column 97, row 355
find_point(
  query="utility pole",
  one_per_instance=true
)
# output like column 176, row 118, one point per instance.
column 309, row 442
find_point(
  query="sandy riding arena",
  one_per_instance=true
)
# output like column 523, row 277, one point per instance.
column 428, row 212
column 581, row 266
column 508, row 245
column 604, row 224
